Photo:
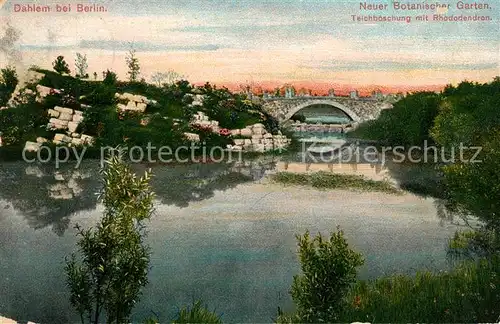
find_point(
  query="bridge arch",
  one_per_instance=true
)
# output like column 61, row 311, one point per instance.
column 351, row 114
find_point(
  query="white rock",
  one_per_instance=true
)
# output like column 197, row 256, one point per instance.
column 66, row 116
column 239, row 141
column 259, row 148
column 205, row 123
column 127, row 96
column 41, row 140
column 246, row 132
column 268, row 135
column 72, row 126
column 248, row 142
column 77, row 141
column 42, row 90
column 73, row 185
column 121, row 106
column 77, row 118
column 58, row 186
column 53, row 113
column 131, row 105
column 258, row 130
column 141, row 107
column 32, row 146
column 64, row 110
column 235, row 132
column 66, row 194
column 62, row 138
column 59, row 177
column 76, row 135
column 257, row 137
column 56, row 121
column 79, row 112
column 192, row 137
column 258, row 125
column 88, row 140
column 138, row 98
column 34, row 170
column 55, row 126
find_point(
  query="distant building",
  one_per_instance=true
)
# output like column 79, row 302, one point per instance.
column 378, row 95
column 289, row 92
column 331, row 93
column 265, row 95
column 354, row 94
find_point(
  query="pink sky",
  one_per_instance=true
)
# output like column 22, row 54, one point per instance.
column 306, row 42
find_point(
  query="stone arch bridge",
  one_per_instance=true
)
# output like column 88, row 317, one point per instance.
column 358, row 110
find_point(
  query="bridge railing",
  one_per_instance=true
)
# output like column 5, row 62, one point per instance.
column 320, row 98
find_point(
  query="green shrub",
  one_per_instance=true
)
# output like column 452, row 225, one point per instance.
column 325, row 180
column 329, row 268
column 197, row 314
column 24, row 123
column 8, row 83
column 470, row 293
column 407, row 124
column 112, row 268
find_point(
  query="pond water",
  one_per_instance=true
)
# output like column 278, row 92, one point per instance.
column 221, row 233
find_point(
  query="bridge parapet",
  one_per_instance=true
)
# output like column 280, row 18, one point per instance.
column 359, row 110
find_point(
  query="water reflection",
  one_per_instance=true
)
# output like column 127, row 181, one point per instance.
column 235, row 250
column 427, row 181
column 180, row 185
column 47, row 196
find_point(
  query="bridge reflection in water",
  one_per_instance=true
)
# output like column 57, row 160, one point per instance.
column 373, row 171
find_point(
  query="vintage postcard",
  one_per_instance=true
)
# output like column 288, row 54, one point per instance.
column 251, row 161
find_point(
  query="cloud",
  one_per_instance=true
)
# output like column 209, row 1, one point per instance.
column 145, row 46
column 402, row 66
column 111, row 45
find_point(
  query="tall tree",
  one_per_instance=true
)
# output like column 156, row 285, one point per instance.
column 60, row 65
column 114, row 260
column 133, row 66
column 169, row 78
column 81, row 66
